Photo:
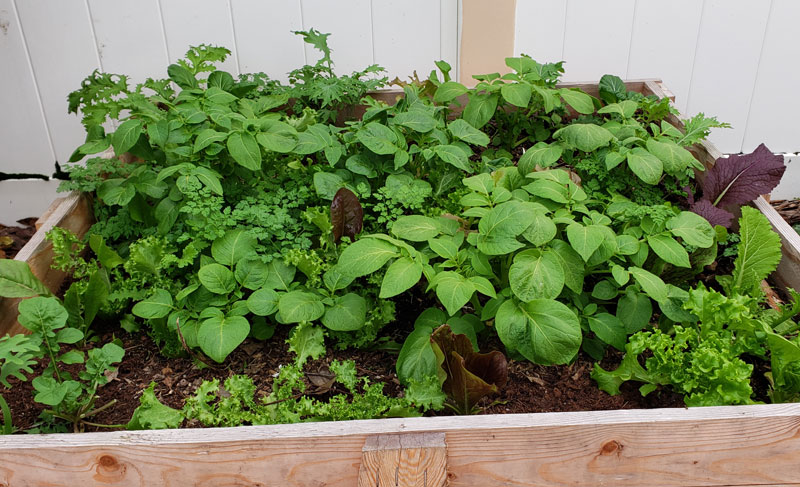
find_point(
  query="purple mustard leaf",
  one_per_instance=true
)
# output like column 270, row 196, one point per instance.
column 714, row 215
column 740, row 179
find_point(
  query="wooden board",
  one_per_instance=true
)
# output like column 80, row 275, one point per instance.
column 73, row 213
column 715, row 446
column 404, row 460
column 788, row 272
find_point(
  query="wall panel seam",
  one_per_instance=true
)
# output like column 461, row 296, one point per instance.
column 694, row 60
column 758, row 72
column 35, row 81
column 94, row 37
column 235, row 40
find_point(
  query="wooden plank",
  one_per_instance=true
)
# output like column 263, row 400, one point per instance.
column 60, row 65
column 656, row 50
column 74, row 213
column 275, row 51
column 397, row 51
column 773, row 114
column 487, row 38
column 714, row 446
column 788, row 272
column 539, row 30
column 23, row 132
column 193, row 22
column 405, row 460
column 597, row 38
column 730, row 40
column 350, row 25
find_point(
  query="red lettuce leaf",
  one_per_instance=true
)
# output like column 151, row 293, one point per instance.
column 347, row 216
column 739, row 179
column 714, row 215
column 470, row 375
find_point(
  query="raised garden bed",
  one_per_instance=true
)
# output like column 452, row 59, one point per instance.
column 742, row 445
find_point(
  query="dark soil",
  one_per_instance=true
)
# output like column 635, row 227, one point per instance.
column 12, row 239
column 531, row 388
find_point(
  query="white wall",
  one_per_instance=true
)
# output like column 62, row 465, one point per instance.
column 738, row 60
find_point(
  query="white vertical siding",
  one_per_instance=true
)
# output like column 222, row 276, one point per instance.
column 735, row 59
column 24, row 140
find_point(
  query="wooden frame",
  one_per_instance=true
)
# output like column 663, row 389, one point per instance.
column 714, row 446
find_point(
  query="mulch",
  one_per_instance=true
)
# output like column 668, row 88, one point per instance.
column 12, row 239
column 788, row 209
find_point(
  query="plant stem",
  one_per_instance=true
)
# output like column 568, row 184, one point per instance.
column 8, row 427
column 101, row 408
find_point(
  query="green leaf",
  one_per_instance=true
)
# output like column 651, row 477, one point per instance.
column 42, row 315
column 580, row 101
column 297, row 306
column 518, row 94
column 106, row 255
column 480, row 109
column 624, row 108
column 674, row 158
column 218, row 336
column 263, row 302
column 217, row 96
column 278, row 136
column 634, row 310
column 544, row 331
column 498, row 245
column 585, row 239
column 307, row 341
column 233, row 247
column 417, row 359
column 244, row 150
column 96, row 294
column 541, row 230
column 645, row 165
column 522, row 64
column 448, row 91
column 403, row 274
column 209, row 178
column 348, row 313
column 669, row 249
column 584, row 136
column 466, row 132
column 692, row 228
column 181, row 76
column 17, row 280
column 116, row 192
column 417, row 120
column 571, row 263
column 126, row 135
column 608, row 328
column 453, row 290
column 611, row 88
column 327, row 184
column 454, row 156
column 251, row 273
column 507, row 219
column 651, row 284
column 280, row 275
column 152, row 414
column 366, row 256
column 444, row 247
column 49, row 391
column 314, row 139
column 378, row 138
column 208, row 137
column 158, row 305
column 217, row 278
column 542, row 155
column 759, row 250
column 416, row 228
column 536, row 275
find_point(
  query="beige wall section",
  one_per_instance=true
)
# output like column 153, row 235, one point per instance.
column 487, row 37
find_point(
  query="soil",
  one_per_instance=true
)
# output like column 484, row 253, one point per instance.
column 531, row 388
column 12, row 239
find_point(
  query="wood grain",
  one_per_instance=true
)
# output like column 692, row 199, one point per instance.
column 788, row 272
column 741, row 445
column 73, row 213
column 405, row 460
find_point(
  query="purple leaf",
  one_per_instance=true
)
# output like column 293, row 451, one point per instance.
column 347, row 216
column 739, row 179
column 714, row 215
